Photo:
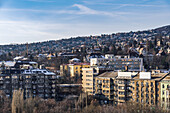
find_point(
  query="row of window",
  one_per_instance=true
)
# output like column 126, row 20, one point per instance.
column 165, row 86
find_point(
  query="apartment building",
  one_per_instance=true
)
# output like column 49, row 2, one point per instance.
column 165, row 92
column 73, row 70
column 26, row 75
column 119, row 64
column 104, row 85
column 36, row 82
column 121, row 87
column 88, row 78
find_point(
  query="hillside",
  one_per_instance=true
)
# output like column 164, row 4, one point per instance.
column 59, row 45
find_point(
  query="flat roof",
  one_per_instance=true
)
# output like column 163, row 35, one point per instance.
column 156, row 77
column 110, row 74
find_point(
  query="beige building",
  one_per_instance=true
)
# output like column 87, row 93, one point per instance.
column 73, row 70
column 88, row 78
column 120, row 87
column 165, row 92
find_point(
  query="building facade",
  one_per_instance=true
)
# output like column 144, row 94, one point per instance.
column 165, row 92
column 88, row 79
column 124, row 87
column 119, row 64
column 73, row 70
column 36, row 82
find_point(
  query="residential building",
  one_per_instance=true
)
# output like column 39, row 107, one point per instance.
column 165, row 92
column 26, row 75
column 88, row 78
column 119, row 64
column 35, row 82
column 109, row 56
column 121, row 87
column 73, row 70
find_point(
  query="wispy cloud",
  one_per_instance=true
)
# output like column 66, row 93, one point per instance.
column 85, row 10
column 41, row 0
column 82, row 10
column 125, row 5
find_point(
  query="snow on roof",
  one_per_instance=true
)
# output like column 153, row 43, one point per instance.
column 32, row 62
column 44, row 71
column 19, row 57
column 8, row 63
column 75, row 59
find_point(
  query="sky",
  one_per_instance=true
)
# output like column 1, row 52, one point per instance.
column 23, row 21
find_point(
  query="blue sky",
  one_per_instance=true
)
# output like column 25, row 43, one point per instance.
column 24, row 21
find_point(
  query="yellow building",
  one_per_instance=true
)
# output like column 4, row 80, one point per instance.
column 76, row 69
column 88, row 78
column 104, row 85
column 165, row 93
column 121, row 87
column 73, row 70
column 64, row 70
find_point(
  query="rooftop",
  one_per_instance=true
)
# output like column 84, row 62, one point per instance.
column 110, row 74
column 167, row 77
column 156, row 77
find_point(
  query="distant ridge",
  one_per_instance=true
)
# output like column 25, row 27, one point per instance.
column 76, row 42
column 158, row 30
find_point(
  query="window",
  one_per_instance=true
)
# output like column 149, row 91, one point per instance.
column 137, row 100
column 88, row 79
column 121, row 93
column 163, row 92
column 147, row 84
column 89, row 84
column 88, row 71
column 163, row 86
column 151, row 95
column 147, row 89
column 163, row 99
column 121, row 87
column 88, row 75
column 147, row 95
column 121, row 98
column 88, row 87
column 107, row 86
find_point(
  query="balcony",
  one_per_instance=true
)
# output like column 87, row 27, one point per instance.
column 121, row 84
column 121, row 100
column 99, row 82
column 120, row 95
